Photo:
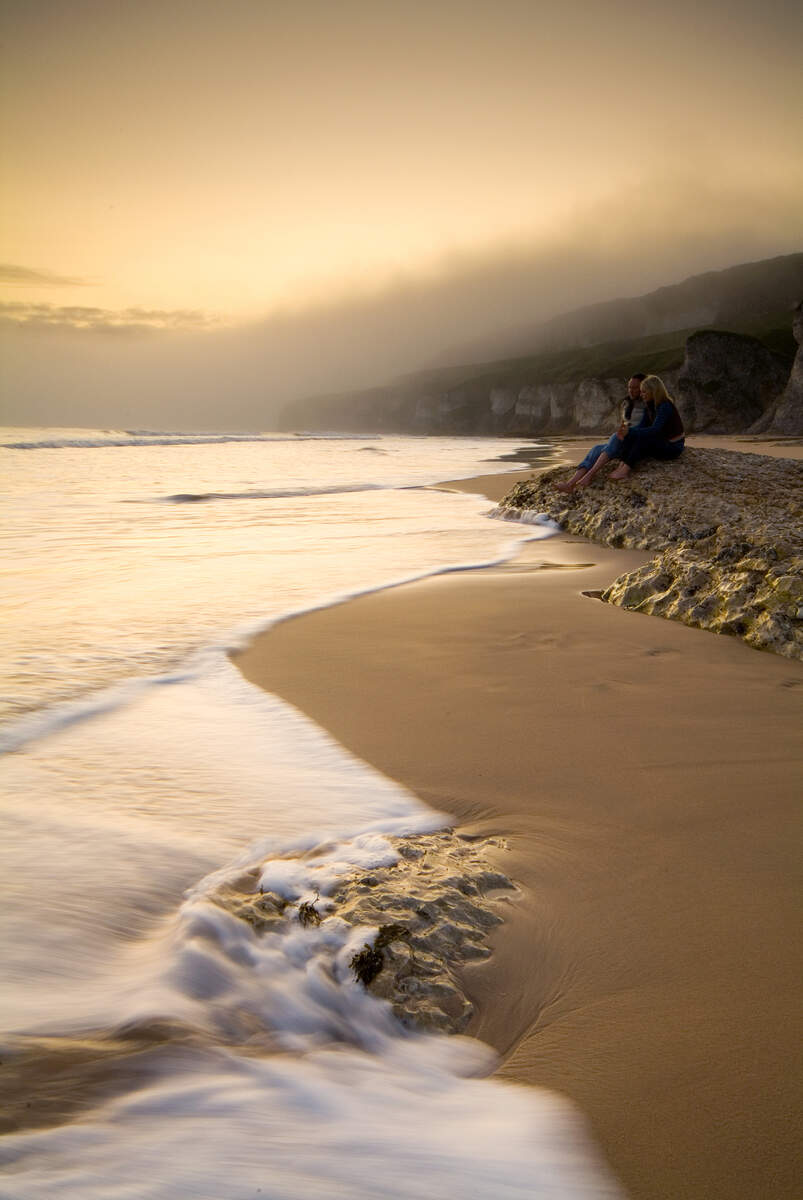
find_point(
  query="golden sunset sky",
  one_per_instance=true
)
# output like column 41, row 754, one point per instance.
column 195, row 163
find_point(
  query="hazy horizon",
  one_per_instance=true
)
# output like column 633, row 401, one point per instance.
column 211, row 212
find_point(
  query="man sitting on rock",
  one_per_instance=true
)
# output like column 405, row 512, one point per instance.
column 633, row 415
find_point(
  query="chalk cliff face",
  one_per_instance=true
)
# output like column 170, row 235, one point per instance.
column 727, row 382
column 786, row 415
column 582, row 405
column 597, row 402
column 542, row 406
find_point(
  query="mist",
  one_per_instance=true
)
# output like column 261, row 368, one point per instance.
column 471, row 307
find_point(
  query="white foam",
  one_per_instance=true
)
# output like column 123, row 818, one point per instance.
column 525, row 516
column 354, row 1105
column 297, row 878
column 137, row 438
column 411, row 1124
column 125, row 812
column 55, row 717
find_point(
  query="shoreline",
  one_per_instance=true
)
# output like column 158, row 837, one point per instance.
column 649, row 970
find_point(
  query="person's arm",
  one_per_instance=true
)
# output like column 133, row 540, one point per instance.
column 663, row 414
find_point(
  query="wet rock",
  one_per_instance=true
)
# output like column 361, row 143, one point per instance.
column 725, row 530
column 430, row 913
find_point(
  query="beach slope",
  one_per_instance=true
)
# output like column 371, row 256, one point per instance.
column 646, row 778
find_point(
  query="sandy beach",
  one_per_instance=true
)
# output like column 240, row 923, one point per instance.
column 646, row 779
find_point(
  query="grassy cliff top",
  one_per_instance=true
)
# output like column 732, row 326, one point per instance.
column 652, row 354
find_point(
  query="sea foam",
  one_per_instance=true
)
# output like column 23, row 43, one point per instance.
column 271, row 1070
column 409, row 1124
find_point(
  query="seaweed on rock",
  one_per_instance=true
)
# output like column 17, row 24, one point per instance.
column 308, row 913
column 368, row 962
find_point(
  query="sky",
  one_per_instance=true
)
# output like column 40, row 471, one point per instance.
column 247, row 184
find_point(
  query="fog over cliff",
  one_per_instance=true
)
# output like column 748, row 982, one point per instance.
column 139, row 370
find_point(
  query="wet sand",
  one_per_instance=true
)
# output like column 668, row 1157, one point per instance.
column 647, row 778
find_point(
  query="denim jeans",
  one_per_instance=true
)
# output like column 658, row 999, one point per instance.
column 611, row 448
column 644, row 443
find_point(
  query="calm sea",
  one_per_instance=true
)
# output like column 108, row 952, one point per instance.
column 138, row 765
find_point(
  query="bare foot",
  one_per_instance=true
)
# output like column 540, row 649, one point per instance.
column 620, row 472
column 564, row 487
column 584, row 482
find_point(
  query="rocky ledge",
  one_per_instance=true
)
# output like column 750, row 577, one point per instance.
column 725, row 528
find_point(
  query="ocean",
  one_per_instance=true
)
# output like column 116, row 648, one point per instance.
column 141, row 773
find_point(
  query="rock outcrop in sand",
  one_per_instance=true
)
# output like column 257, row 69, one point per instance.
column 421, row 920
column 726, row 529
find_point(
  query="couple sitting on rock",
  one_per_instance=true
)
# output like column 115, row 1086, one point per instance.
column 659, row 434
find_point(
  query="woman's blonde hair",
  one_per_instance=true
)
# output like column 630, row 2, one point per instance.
column 657, row 390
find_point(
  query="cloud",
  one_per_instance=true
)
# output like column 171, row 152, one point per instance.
column 86, row 319
column 30, row 277
column 188, row 369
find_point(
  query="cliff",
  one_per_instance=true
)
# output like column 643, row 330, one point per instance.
column 725, row 531
column 725, row 383
column 785, row 415
column 722, row 382
column 726, row 380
